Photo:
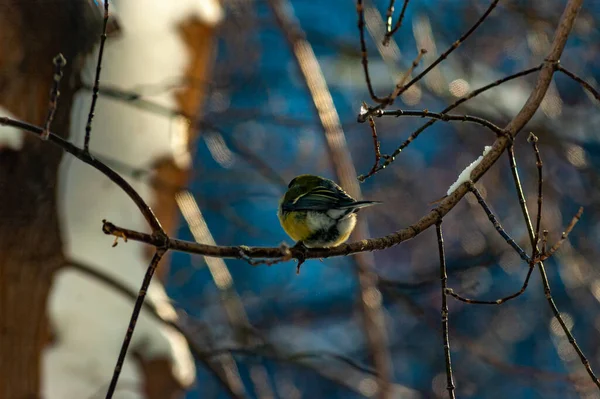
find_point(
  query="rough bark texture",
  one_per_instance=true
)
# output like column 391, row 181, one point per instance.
column 31, row 34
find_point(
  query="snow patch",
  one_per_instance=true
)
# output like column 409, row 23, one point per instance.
column 465, row 175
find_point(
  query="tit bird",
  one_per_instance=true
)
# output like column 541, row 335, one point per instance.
column 318, row 213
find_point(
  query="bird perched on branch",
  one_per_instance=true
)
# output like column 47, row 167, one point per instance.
column 318, row 213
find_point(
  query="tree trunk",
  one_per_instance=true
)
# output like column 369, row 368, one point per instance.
column 31, row 34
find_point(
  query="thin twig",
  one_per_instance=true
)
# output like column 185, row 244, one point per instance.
column 443, row 117
column 579, row 80
column 376, row 147
column 497, row 224
column 88, row 126
column 407, row 74
column 544, row 241
column 532, row 139
column 59, row 62
column 500, row 301
column 360, row 10
column 139, row 302
column 545, row 255
column 516, row 179
column 388, row 101
column 565, row 328
column 389, row 30
column 388, row 16
column 445, row 313
column 390, row 158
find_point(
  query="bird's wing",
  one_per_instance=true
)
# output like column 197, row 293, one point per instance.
column 322, row 199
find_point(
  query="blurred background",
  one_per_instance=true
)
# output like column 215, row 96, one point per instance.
column 282, row 335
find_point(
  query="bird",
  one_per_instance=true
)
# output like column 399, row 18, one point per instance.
column 318, row 213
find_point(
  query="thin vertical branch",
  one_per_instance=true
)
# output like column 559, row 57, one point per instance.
column 96, row 88
column 139, row 302
column 522, row 202
column 372, row 310
column 360, row 10
column 538, row 162
column 59, row 62
column 376, row 147
column 445, row 313
column 389, row 30
column 542, row 270
column 564, row 327
column 544, row 240
column 388, row 16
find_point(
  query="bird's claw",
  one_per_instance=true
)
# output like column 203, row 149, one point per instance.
column 302, row 251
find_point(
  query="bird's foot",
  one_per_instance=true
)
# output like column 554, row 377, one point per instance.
column 302, row 251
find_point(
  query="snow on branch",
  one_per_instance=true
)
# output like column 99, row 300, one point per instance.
column 465, row 175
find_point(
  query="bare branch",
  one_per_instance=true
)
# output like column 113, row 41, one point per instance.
column 88, row 126
column 389, row 30
column 444, row 117
column 406, row 75
column 540, row 199
column 139, row 302
column 545, row 255
column 579, row 80
column 364, row 54
column 500, row 301
column 376, row 146
column 445, row 313
column 59, row 62
column 497, row 224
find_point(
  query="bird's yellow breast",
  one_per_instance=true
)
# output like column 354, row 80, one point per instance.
column 295, row 225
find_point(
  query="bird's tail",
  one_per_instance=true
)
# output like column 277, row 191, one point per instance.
column 362, row 204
